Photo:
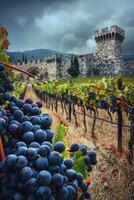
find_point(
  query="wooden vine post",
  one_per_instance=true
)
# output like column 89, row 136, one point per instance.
column 131, row 139
column 84, row 118
column 119, row 114
column 70, row 111
column 56, row 104
column 94, row 122
column 75, row 116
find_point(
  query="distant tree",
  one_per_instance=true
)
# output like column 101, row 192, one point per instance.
column 25, row 60
column 74, row 67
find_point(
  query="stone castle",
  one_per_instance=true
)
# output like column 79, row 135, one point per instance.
column 106, row 61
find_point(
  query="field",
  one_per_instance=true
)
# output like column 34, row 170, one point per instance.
column 94, row 112
column 113, row 177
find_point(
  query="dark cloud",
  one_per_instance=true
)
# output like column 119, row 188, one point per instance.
column 65, row 25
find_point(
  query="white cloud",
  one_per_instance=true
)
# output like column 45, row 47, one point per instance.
column 21, row 21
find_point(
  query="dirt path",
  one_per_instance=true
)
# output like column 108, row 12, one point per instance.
column 31, row 94
column 113, row 177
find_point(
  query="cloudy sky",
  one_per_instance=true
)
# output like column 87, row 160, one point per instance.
column 64, row 25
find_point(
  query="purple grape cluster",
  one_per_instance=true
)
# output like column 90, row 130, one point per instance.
column 90, row 157
column 6, row 85
column 34, row 168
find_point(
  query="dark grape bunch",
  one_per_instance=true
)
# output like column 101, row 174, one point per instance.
column 34, row 168
column 103, row 105
column 113, row 104
column 90, row 158
column 92, row 95
column 5, row 85
column 131, row 113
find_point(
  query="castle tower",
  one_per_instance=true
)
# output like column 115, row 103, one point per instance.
column 109, row 47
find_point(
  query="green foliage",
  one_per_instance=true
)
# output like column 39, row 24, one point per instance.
column 74, row 67
column 3, row 56
column 60, row 132
column 79, row 164
column 19, row 88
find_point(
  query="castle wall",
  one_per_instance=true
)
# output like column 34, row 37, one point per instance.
column 107, row 59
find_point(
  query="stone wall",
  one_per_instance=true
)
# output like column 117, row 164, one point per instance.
column 106, row 61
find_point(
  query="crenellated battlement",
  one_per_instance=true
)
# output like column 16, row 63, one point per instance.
column 112, row 33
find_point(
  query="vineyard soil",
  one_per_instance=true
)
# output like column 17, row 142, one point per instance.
column 113, row 177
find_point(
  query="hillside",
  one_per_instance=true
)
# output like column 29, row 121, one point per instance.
column 35, row 54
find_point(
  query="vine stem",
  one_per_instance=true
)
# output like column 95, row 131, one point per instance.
column 11, row 66
column 2, row 153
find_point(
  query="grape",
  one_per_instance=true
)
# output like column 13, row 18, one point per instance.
column 26, row 173
column 89, row 168
column 55, row 158
column 2, row 67
column 63, row 169
column 57, row 180
column 42, row 163
column 27, row 126
column 6, row 96
column 20, row 103
column 71, row 191
column 11, row 161
column 27, row 108
column 79, row 177
column 83, row 149
column 39, row 103
column 35, row 120
column 20, row 144
column 44, row 178
column 31, row 153
column 14, row 99
column 83, row 186
column 11, row 104
column 63, row 193
column 68, row 163
column 82, row 197
column 47, row 143
column 31, row 185
column 74, row 184
column 43, row 192
column 21, row 151
column 87, row 195
column 46, row 122
column 28, row 137
column 35, row 145
column 74, row 147
column 87, row 160
column 24, row 118
column 18, row 114
column 19, row 196
column 59, row 146
column 71, row 174
column 54, row 169
column 35, row 111
column 35, row 128
column 92, row 95
column 31, row 197
column 21, row 162
column 2, row 124
column 40, row 135
column 44, row 150
column 28, row 101
column 92, row 156
column 50, row 134
column 13, row 129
